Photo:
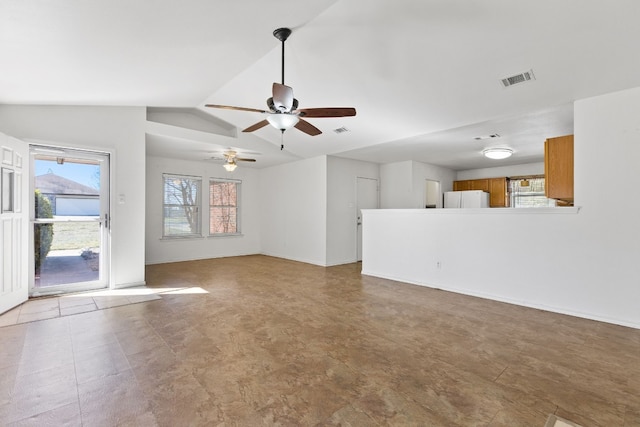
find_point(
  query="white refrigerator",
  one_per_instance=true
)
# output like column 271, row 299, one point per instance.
column 466, row 199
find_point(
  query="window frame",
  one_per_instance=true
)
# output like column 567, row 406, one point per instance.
column 196, row 206
column 516, row 196
column 237, row 206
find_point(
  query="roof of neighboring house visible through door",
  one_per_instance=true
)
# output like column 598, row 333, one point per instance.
column 50, row 183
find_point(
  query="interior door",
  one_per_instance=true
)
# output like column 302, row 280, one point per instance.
column 366, row 198
column 14, row 222
column 70, row 220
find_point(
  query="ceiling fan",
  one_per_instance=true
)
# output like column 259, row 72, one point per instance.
column 283, row 110
column 231, row 157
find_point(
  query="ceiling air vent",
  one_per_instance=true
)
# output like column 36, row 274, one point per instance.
column 341, row 130
column 518, row 78
column 481, row 138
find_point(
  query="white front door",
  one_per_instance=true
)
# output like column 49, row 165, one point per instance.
column 366, row 198
column 14, row 223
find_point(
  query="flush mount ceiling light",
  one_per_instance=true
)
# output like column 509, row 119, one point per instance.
column 497, row 153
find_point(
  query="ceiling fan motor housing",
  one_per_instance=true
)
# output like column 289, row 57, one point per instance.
column 282, row 34
column 281, row 109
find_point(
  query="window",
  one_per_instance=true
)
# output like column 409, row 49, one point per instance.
column 224, row 197
column 182, row 195
column 528, row 192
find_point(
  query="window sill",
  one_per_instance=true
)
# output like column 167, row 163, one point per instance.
column 180, row 238
column 216, row 236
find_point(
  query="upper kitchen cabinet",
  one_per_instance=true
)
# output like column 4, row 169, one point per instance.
column 462, row 185
column 558, row 168
column 471, row 184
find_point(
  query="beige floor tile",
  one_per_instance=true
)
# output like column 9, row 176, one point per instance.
column 97, row 337
column 135, row 299
column 47, row 357
column 74, row 300
column 26, row 317
column 8, row 376
column 68, row 415
column 39, row 305
column 107, row 301
column 113, row 400
column 10, row 317
column 42, row 391
column 12, row 340
column 96, row 362
column 77, row 309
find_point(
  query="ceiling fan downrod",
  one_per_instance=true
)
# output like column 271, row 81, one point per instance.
column 282, row 34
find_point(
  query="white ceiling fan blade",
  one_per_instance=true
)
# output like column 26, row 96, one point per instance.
column 282, row 97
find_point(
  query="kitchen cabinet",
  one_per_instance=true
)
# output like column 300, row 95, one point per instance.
column 462, row 185
column 498, row 193
column 496, row 187
column 558, row 169
column 471, row 184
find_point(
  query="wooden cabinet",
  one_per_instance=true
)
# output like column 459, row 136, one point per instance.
column 462, row 185
column 558, row 168
column 498, row 193
column 496, row 187
column 480, row 184
column 471, row 184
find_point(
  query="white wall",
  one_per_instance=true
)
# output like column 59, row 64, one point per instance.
column 423, row 171
column 402, row 184
column 341, row 207
column 172, row 250
column 119, row 130
column 396, row 185
column 293, row 210
column 500, row 171
column 586, row 263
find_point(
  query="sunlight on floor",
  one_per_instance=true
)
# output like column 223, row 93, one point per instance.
column 138, row 291
column 82, row 302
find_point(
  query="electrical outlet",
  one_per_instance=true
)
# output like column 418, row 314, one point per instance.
column 438, row 265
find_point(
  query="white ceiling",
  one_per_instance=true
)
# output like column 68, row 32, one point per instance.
column 424, row 75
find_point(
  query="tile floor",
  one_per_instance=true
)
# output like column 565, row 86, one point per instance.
column 255, row 340
column 52, row 307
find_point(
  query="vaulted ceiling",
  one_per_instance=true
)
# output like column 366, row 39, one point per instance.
column 424, row 76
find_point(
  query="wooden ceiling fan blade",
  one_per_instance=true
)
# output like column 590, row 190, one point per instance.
column 327, row 112
column 229, row 107
column 257, row 126
column 240, row 159
column 282, row 97
column 307, row 128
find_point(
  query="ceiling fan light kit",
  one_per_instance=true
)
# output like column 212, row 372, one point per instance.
column 230, row 157
column 283, row 113
column 497, row 153
column 283, row 121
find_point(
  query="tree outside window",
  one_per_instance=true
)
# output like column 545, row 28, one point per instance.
column 223, row 207
column 182, row 196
